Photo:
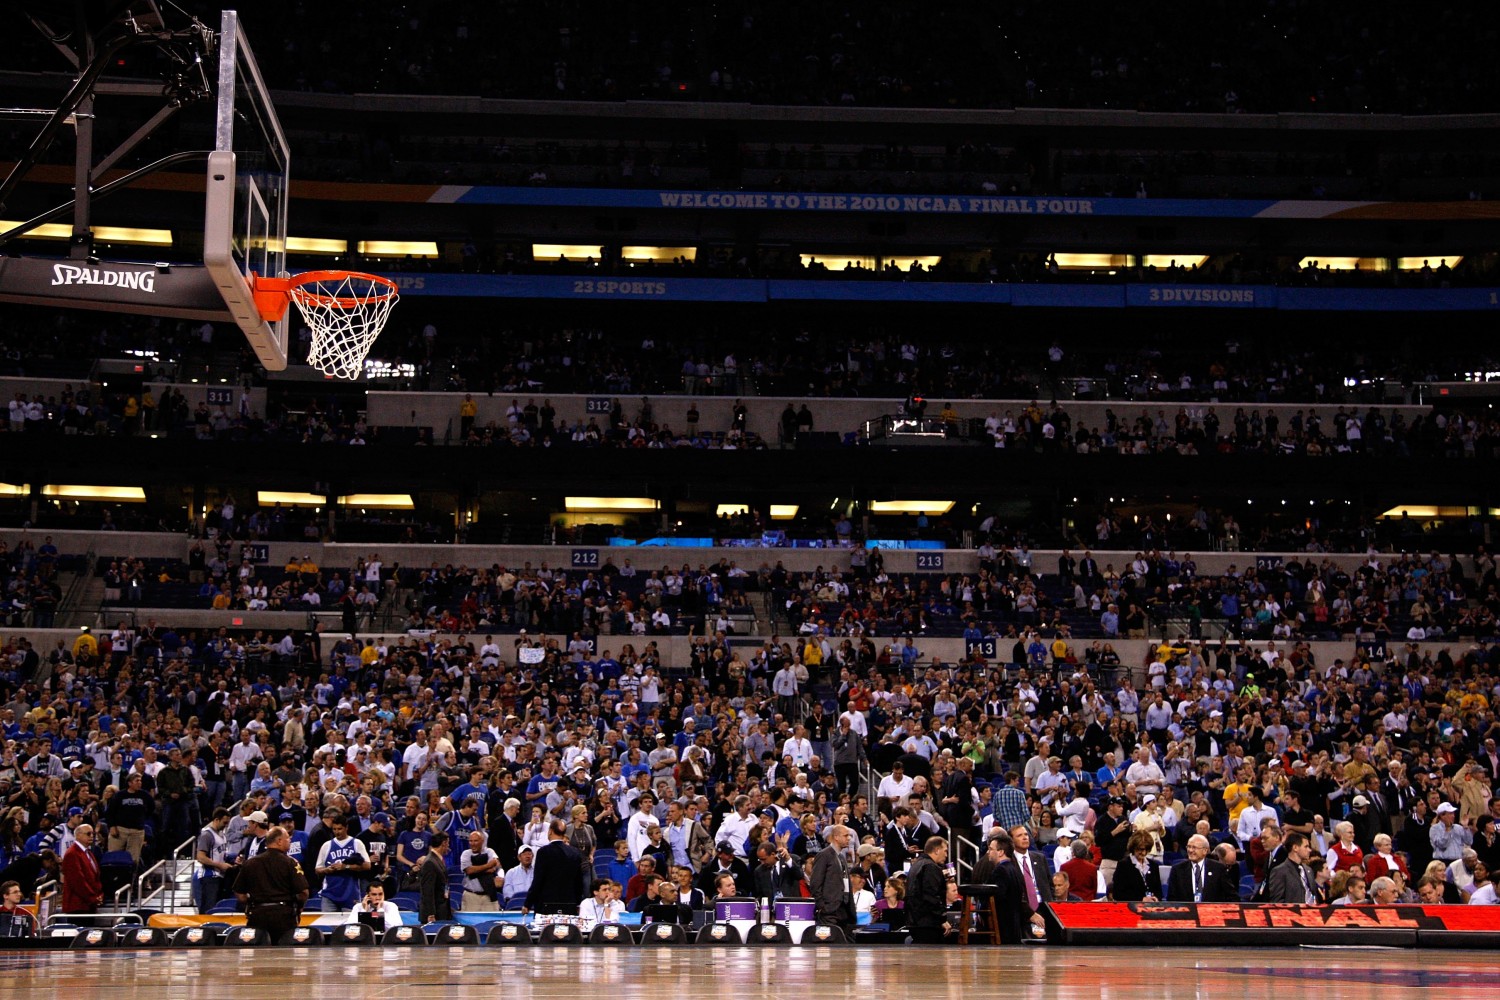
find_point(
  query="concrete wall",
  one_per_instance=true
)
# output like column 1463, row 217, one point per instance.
column 194, row 392
column 1135, row 654
column 341, row 555
column 437, row 409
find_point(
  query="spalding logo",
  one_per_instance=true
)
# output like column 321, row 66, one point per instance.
column 74, row 274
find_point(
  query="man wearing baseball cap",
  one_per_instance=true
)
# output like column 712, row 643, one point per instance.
column 1449, row 838
column 378, row 838
column 256, row 825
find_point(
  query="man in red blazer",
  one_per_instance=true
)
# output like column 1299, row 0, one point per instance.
column 82, row 890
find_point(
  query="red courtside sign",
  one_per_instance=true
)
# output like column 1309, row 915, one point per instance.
column 1228, row 922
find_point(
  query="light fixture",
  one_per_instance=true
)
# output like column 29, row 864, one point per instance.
column 1346, row 263
column 102, row 234
column 398, row 248
column 911, row 506
column 119, row 494
column 1417, row 263
column 1090, row 261
column 287, row 498
column 660, row 255
column 567, row 251
column 15, row 489
column 383, row 501
column 313, row 244
column 603, row 504
column 1166, row 260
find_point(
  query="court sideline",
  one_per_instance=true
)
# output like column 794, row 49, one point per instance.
column 790, row 973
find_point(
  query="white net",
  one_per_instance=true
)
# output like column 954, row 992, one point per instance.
column 345, row 312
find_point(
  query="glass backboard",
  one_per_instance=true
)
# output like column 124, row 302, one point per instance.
column 246, row 205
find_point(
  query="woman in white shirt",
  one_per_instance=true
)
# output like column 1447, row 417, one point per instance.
column 535, row 834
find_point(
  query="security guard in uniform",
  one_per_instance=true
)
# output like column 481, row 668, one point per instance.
column 272, row 887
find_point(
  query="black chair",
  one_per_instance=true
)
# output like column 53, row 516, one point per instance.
column 561, row 934
column 195, row 937
column 720, row 933
column 610, row 933
column 94, row 937
column 140, row 937
column 405, row 936
column 304, row 937
column 457, row 934
column 664, row 934
column 508, row 934
column 824, row 934
column 769, row 934
column 351, row 934
column 245, row 937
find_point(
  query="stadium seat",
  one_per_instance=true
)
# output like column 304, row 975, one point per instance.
column 824, row 934
column 769, row 934
column 304, row 937
column 403, row 936
column 195, row 937
column 457, row 934
column 610, row 933
column 507, row 934
column 245, row 937
column 141, row 937
column 561, row 934
column 664, row 934
column 352, row 934
column 94, row 937
column 720, row 933
column 226, row 906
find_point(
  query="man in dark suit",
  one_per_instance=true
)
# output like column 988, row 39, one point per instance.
column 956, row 803
column 1005, row 875
column 561, row 879
column 830, row 881
column 777, row 873
column 724, row 863
column 1292, row 881
column 1199, row 879
column 505, row 839
column 1035, row 876
column 903, row 841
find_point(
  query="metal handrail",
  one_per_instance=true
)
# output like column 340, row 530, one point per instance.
column 133, row 919
column 142, row 897
column 53, row 884
column 124, row 890
column 962, row 864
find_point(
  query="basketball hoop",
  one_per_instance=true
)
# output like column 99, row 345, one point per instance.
column 346, row 310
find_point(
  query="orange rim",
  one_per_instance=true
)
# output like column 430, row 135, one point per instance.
column 273, row 295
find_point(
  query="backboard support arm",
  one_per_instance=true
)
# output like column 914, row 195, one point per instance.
column 95, row 54
column 57, row 212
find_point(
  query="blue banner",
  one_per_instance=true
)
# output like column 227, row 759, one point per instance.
column 865, row 204
column 1390, row 299
column 879, row 290
column 680, row 289
column 1069, row 296
column 595, row 289
column 1230, row 296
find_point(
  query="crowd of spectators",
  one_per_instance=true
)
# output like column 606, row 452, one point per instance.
column 684, row 771
column 1255, row 57
column 1031, row 614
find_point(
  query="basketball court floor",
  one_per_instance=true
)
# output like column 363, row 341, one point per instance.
column 748, row 973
